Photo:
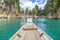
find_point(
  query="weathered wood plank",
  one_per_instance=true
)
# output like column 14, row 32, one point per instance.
column 31, row 32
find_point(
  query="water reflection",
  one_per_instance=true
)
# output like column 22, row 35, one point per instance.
column 41, row 23
column 41, row 20
column 9, row 27
column 50, row 26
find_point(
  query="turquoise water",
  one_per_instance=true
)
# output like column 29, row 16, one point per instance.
column 9, row 27
column 50, row 26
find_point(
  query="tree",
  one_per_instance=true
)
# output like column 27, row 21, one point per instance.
column 35, row 10
column 22, row 11
column 30, row 12
column 19, row 8
column 26, row 11
column 10, row 3
column 56, row 5
column 49, row 7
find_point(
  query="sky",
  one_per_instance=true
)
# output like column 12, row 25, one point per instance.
column 31, row 4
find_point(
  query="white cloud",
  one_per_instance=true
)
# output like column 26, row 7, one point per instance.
column 29, row 4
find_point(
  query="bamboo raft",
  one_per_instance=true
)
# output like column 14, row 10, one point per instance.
column 30, row 32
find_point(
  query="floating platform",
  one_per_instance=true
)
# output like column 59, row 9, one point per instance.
column 30, row 32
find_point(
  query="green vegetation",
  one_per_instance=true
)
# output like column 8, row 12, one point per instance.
column 26, row 11
column 10, row 2
column 56, row 5
column 18, row 3
column 30, row 12
column 22, row 11
column 37, row 11
column 34, row 11
column 51, row 7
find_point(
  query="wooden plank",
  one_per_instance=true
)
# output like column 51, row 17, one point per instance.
column 31, row 32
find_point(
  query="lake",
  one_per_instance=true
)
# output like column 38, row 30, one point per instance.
column 9, row 27
column 50, row 26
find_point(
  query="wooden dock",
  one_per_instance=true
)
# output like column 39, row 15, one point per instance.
column 30, row 32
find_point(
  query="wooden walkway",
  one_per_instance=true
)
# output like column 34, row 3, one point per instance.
column 30, row 32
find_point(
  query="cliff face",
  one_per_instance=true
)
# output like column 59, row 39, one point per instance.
column 9, row 5
column 15, row 6
column 2, row 3
column 58, row 12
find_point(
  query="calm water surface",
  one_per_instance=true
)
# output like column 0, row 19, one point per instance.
column 9, row 27
column 50, row 26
